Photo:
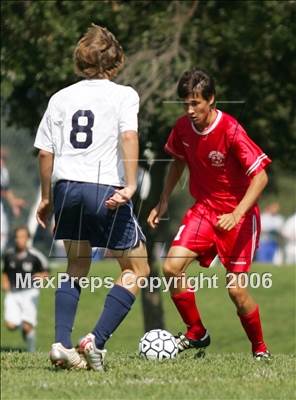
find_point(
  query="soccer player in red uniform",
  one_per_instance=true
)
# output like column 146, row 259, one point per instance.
column 227, row 175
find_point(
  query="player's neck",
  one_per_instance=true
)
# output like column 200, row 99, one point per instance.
column 210, row 119
column 20, row 250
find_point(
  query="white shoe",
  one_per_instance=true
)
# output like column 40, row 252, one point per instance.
column 66, row 358
column 262, row 355
column 94, row 357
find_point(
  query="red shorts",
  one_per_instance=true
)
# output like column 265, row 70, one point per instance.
column 235, row 248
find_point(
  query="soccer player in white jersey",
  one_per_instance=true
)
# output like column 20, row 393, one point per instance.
column 7, row 195
column 22, row 264
column 88, row 152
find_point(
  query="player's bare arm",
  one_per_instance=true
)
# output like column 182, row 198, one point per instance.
column 5, row 282
column 258, row 183
column 16, row 203
column 175, row 171
column 45, row 167
column 130, row 154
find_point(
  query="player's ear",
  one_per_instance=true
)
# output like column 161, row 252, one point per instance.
column 212, row 100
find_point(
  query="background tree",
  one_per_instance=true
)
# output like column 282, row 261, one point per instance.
column 248, row 46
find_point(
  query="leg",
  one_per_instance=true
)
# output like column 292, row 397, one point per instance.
column 240, row 295
column 134, row 265
column 247, row 310
column 12, row 311
column 29, row 305
column 29, row 336
column 79, row 257
column 236, row 249
column 176, row 263
column 67, row 297
column 118, row 303
column 119, row 300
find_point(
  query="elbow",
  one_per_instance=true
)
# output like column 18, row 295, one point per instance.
column 45, row 156
column 44, row 153
column 129, row 137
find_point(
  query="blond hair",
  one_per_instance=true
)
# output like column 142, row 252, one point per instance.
column 98, row 54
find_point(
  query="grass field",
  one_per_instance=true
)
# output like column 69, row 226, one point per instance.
column 228, row 371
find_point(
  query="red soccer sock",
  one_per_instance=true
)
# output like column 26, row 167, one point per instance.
column 185, row 303
column 252, row 325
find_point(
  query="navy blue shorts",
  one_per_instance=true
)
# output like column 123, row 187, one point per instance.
column 81, row 214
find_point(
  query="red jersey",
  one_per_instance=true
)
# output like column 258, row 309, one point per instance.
column 221, row 160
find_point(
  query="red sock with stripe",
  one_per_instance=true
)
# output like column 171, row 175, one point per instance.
column 185, row 303
column 252, row 325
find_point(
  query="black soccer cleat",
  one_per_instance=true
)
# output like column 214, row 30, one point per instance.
column 262, row 355
column 185, row 343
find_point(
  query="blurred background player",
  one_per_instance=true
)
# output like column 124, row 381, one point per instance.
column 21, row 302
column 88, row 146
column 289, row 234
column 227, row 175
column 7, row 196
column 269, row 250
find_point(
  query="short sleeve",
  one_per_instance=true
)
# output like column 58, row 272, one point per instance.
column 250, row 156
column 174, row 146
column 43, row 140
column 4, row 178
column 128, row 116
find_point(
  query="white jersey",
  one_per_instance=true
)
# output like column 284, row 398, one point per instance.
column 82, row 125
column 4, row 178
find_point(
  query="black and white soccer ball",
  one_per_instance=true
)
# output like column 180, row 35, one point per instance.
column 158, row 344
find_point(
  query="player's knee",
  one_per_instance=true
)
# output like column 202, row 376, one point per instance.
column 140, row 269
column 79, row 267
column 10, row 326
column 136, row 260
column 171, row 267
column 238, row 296
column 145, row 270
column 27, row 328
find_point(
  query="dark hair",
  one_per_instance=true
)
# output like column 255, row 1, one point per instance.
column 98, row 54
column 21, row 228
column 196, row 81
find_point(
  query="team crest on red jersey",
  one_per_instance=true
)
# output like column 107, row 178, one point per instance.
column 216, row 158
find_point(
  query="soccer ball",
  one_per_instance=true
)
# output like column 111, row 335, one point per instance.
column 158, row 344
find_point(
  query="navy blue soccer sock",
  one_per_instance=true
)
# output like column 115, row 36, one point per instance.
column 66, row 301
column 117, row 304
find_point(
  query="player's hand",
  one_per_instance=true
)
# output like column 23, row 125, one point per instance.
column 16, row 205
column 156, row 213
column 43, row 213
column 120, row 197
column 227, row 222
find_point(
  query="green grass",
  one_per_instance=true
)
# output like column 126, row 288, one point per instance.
column 228, row 371
column 227, row 376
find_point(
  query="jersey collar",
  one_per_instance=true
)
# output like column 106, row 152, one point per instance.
column 211, row 127
column 103, row 80
column 21, row 255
